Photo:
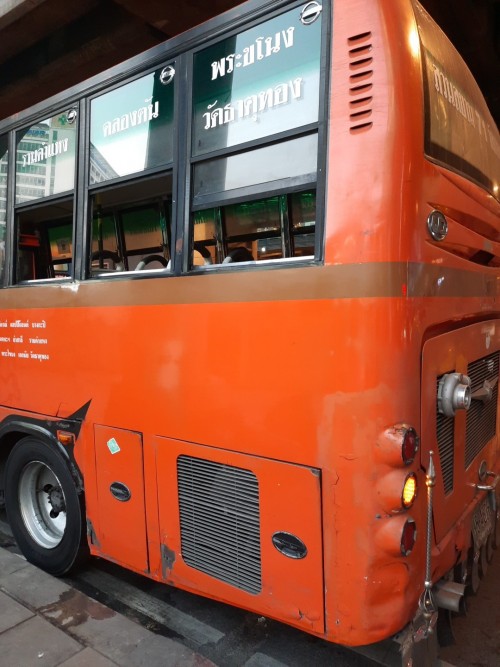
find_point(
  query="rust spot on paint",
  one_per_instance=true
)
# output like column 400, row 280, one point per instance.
column 92, row 535
column 167, row 560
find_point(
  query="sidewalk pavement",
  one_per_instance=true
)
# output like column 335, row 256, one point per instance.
column 45, row 622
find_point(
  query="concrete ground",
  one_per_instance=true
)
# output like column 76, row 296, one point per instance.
column 45, row 622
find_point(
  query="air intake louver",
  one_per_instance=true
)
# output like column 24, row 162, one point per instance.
column 482, row 416
column 220, row 521
column 445, row 430
column 360, row 84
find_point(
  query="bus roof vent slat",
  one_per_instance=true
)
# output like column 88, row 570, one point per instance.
column 220, row 521
column 360, row 81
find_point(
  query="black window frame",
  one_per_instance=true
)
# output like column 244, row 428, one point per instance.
column 179, row 51
column 279, row 187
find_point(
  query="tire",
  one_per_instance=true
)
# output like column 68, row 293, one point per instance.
column 45, row 512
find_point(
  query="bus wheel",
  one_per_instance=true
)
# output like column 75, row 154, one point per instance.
column 43, row 507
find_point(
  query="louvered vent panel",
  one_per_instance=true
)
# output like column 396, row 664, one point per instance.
column 481, row 417
column 360, row 82
column 220, row 521
column 445, row 430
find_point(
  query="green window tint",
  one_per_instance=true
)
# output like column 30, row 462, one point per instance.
column 4, row 162
column 60, row 241
column 142, row 228
column 294, row 159
column 303, row 209
column 131, row 227
column 45, row 157
column 252, row 217
column 132, row 127
column 104, row 238
column 277, row 227
column 258, row 83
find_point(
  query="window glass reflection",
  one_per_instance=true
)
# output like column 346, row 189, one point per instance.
column 45, row 157
column 295, row 159
column 277, row 227
column 258, row 83
column 131, row 127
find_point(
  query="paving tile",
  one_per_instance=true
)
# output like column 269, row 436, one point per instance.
column 118, row 638
column 11, row 562
column 36, row 643
column 88, row 658
column 33, row 586
column 11, row 613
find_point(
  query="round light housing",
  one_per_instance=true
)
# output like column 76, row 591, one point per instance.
column 409, row 490
column 409, row 447
column 408, row 537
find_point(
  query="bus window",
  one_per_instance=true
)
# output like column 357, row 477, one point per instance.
column 45, row 167
column 45, row 242
column 131, row 127
column 131, row 227
column 256, row 106
column 270, row 228
column 45, row 157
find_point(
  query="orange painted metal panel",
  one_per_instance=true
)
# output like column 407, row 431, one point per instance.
column 122, row 522
column 289, row 501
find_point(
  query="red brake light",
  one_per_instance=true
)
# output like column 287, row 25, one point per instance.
column 409, row 447
column 408, row 537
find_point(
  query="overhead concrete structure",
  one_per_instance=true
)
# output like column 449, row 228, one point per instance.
column 49, row 45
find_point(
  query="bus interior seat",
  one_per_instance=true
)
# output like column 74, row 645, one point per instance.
column 153, row 258
column 240, row 254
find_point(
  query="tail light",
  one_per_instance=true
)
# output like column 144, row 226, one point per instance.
column 409, row 490
column 397, row 445
column 408, row 537
column 409, row 446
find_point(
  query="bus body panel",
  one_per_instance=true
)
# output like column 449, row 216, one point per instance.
column 290, row 379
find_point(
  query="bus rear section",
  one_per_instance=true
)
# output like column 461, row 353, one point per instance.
column 460, row 372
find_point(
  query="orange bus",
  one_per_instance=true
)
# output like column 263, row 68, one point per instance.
column 250, row 320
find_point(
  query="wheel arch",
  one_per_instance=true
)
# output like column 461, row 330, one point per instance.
column 14, row 429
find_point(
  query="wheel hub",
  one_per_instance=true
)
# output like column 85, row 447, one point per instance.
column 56, row 499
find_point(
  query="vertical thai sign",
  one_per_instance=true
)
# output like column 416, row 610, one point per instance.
column 459, row 129
column 4, row 162
column 259, row 83
column 131, row 127
column 45, row 157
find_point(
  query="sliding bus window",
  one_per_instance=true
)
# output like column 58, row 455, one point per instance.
column 4, row 161
column 270, row 228
column 131, row 227
column 256, row 104
column 44, row 185
column 131, row 133
column 44, row 241
column 131, row 127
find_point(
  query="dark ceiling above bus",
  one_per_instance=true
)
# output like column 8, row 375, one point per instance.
column 49, row 45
